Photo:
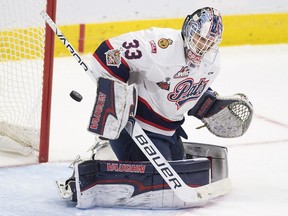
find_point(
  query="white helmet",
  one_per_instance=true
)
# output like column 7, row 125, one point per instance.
column 202, row 32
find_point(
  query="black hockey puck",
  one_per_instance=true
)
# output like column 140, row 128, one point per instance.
column 76, row 96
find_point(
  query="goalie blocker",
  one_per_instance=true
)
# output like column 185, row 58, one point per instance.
column 138, row 184
column 115, row 102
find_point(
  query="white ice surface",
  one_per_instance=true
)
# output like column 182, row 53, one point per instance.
column 257, row 161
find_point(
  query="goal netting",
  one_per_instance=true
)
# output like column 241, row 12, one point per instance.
column 22, row 49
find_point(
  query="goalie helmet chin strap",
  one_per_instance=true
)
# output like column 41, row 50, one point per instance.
column 203, row 105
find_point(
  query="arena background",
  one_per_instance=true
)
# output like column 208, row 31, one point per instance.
column 88, row 22
column 257, row 161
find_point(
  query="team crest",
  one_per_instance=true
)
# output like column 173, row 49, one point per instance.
column 183, row 72
column 164, row 43
column 187, row 90
column 165, row 85
column 113, row 57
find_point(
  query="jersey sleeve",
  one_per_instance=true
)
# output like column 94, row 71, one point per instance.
column 122, row 55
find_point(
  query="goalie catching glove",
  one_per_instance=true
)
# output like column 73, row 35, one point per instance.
column 115, row 102
column 226, row 117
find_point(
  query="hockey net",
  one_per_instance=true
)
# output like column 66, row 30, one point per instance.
column 22, row 78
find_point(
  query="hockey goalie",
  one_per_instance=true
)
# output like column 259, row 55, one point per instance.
column 146, row 82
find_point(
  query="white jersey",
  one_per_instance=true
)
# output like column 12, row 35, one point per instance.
column 154, row 59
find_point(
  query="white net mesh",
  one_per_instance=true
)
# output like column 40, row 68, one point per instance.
column 22, row 33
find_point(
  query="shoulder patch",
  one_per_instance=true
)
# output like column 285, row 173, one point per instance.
column 113, row 57
column 164, row 42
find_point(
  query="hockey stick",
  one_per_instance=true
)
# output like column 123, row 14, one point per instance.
column 180, row 188
column 67, row 44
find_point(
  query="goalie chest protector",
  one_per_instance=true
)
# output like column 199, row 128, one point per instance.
column 133, row 184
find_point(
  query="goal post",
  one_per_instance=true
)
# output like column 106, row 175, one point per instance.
column 26, row 66
column 47, row 85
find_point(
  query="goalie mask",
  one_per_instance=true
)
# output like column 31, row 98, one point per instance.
column 202, row 32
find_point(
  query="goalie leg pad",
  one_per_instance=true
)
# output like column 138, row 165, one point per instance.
column 135, row 184
column 115, row 102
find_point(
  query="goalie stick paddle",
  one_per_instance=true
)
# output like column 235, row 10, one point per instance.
column 180, row 188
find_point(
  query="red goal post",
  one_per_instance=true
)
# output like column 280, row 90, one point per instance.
column 47, row 85
column 26, row 65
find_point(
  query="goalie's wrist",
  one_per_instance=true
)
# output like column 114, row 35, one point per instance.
column 203, row 104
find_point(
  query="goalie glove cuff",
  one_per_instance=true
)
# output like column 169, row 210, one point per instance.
column 203, row 105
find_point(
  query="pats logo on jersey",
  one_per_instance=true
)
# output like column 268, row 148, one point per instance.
column 164, row 42
column 183, row 72
column 187, row 90
column 113, row 57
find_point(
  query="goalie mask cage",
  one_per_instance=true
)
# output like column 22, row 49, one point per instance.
column 26, row 64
